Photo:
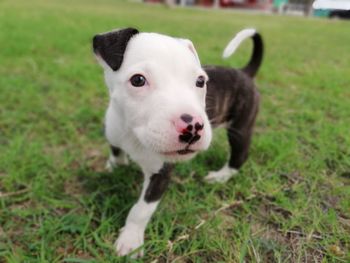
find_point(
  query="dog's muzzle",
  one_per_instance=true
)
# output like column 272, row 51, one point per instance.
column 182, row 135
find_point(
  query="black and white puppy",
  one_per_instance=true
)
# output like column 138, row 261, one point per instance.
column 163, row 105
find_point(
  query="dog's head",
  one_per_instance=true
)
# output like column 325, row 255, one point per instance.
column 157, row 87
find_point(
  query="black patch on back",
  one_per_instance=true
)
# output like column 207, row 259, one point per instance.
column 232, row 98
column 230, row 94
column 111, row 46
column 158, row 184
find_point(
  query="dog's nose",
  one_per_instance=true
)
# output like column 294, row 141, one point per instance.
column 189, row 127
column 188, row 123
column 186, row 118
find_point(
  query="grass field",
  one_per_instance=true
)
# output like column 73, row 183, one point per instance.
column 290, row 202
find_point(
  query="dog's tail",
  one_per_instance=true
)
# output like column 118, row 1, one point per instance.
column 258, row 49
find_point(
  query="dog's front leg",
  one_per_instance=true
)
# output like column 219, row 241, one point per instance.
column 132, row 234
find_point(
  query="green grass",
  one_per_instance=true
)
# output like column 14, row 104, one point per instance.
column 290, row 202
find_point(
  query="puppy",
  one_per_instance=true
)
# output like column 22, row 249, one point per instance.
column 163, row 105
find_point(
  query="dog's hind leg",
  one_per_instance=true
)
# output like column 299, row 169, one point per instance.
column 239, row 146
column 117, row 157
column 221, row 176
column 131, row 236
column 239, row 133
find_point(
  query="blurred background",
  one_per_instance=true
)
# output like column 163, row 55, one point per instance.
column 321, row 8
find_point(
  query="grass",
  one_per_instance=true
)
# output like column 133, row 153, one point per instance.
column 290, row 202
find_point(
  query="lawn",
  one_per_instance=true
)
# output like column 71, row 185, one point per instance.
column 289, row 203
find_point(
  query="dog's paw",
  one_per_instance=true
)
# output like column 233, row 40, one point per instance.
column 110, row 166
column 121, row 160
column 113, row 162
column 130, row 241
column 221, row 176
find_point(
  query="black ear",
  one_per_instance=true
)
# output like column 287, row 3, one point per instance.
column 111, row 46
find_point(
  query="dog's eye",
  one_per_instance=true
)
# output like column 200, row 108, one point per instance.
column 200, row 82
column 138, row 80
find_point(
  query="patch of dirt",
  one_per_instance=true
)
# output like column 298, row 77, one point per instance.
column 330, row 202
column 22, row 205
column 74, row 187
column 69, row 250
column 95, row 160
column 293, row 246
column 292, row 178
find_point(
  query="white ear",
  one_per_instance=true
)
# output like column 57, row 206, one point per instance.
column 188, row 43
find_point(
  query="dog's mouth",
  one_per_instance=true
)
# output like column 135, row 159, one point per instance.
column 179, row 152
column 185, row 151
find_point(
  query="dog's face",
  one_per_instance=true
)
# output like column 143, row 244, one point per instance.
column 158, row 89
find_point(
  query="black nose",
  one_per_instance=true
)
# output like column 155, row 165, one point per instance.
column 195, row 138
column 185, row 137
column 189, row 138
column 198, row 126
column 186, row 118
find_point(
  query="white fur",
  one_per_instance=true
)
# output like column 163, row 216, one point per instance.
column 140, row 120
column 132, row 234
column 237, row 40
column 130, row 241
column 221, row 176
